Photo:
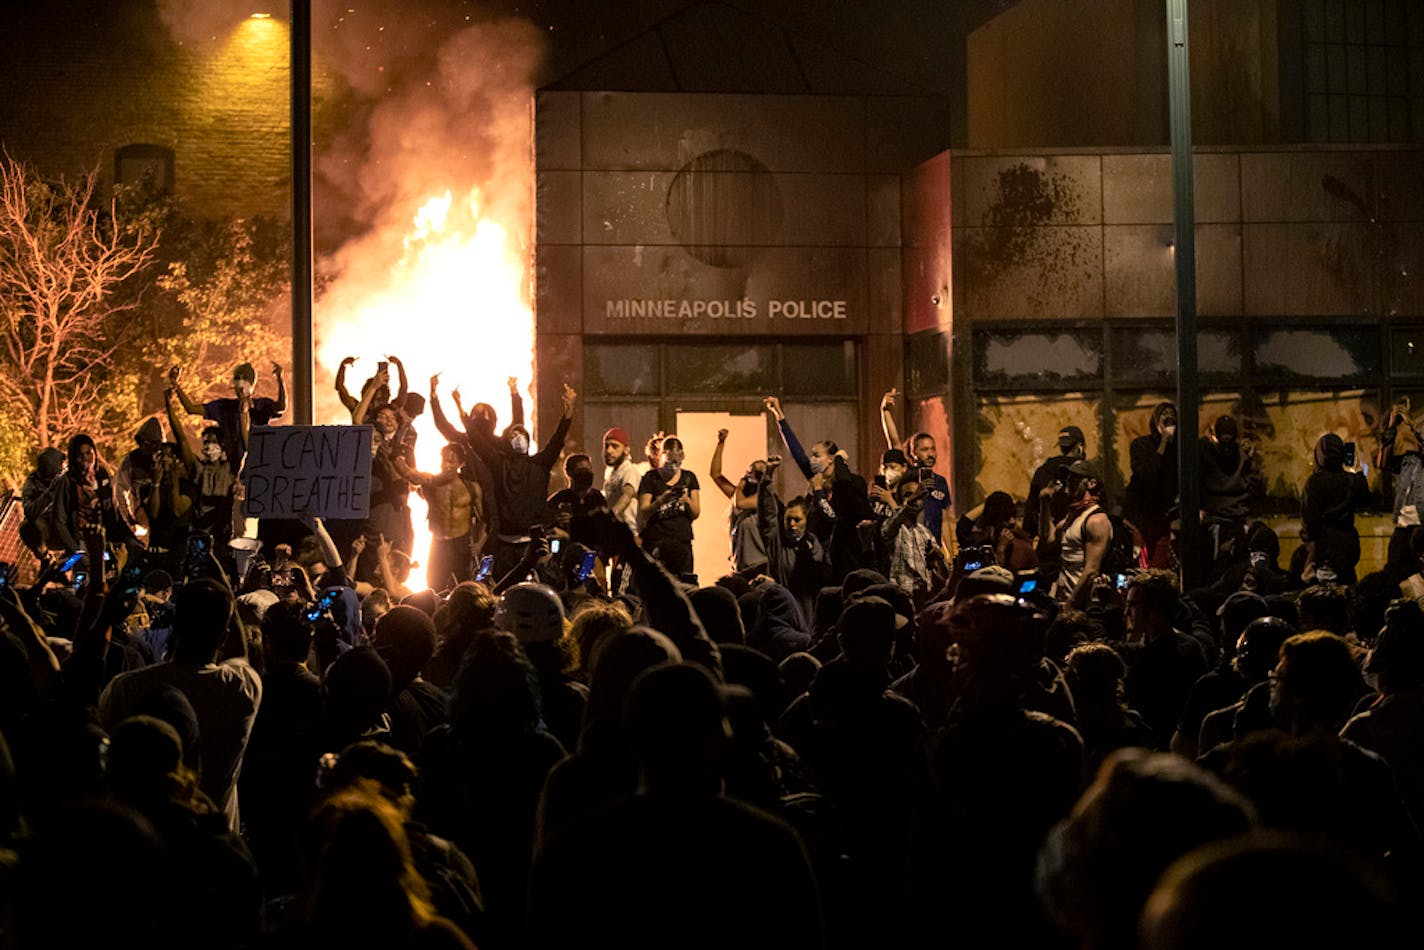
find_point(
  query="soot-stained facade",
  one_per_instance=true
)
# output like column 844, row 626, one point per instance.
column 699, row 250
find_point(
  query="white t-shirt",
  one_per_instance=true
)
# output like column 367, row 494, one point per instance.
column 225, row 697
column 613, row 481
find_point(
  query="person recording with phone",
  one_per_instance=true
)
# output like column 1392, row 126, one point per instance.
column 669, row 500
column 1328, row 502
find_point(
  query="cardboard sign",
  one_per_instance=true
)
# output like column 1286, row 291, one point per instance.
column 324, row 471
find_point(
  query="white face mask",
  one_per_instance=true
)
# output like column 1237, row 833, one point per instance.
column 519, row 442
column 892, row 476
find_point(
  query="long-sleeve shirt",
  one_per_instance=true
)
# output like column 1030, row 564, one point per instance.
column 847, row 497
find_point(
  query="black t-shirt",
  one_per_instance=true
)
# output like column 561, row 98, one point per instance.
column 227, row 414
column 673, row 519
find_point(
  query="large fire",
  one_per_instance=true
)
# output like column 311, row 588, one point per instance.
column 455, row 303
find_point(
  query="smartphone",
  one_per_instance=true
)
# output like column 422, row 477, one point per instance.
column 322, row 604
column 1122, row 582
column 556, row 545
column 383, row 367
column 486, row 565
column 282, row 578
column 79, row 579
column 585, row 569
column 199, row 545
column 1028, row 585
column 971, row 566
column 1349, row 455
column 70, row 561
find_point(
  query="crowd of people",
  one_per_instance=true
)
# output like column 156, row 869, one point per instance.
column 876, row 724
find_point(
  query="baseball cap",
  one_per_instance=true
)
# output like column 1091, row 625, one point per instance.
column 893, row 456
column 618, row 434
column 1069, row 436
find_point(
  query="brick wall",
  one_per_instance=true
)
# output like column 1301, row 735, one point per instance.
column 85, row 78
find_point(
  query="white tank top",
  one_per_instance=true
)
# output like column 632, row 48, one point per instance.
column 1072, row 555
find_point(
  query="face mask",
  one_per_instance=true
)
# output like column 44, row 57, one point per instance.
column 581, row 481
column 212, row 451
column 519, row 442
column 669, row 468
column 819, row 464
column 892, row 477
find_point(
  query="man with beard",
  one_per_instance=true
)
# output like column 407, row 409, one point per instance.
column 620, row 477
column 748, row 548
column 1083, row 534
column 669, row 500
column 1152, row 492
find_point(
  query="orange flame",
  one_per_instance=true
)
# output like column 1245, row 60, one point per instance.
column 456, row 302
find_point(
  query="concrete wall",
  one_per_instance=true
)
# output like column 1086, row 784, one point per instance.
column 1290, row 232
column 1059, row 73
column 771, row 217
column 1290, row 243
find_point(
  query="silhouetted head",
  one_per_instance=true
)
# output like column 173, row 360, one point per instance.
column 1143, row 811
column 677, row 729
column 202, row 611
column 405, row 638
column 1315, row 683
column 1271, row 890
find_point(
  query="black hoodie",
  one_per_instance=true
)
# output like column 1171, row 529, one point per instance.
column 1327, row 508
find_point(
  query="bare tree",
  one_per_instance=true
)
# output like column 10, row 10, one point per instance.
column 64, row 261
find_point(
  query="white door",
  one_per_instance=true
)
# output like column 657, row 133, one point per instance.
column 746, row 442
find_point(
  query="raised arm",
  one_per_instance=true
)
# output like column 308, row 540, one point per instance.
column 887, row 418
column 550, row 452
column 281, row 405
column 342, row 393
column 669, row 610
column 715, row 471
column 403, row 389
column 442, row 422
column 788, row 437
column 180, row 435
column 368, row 394
column 516, row 403
column 189, row 406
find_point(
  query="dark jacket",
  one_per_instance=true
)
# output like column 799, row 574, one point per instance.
column 1152, row 493
column 66, row 503
column 1327, row 508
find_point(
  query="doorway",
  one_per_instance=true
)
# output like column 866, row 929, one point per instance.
column 746, row 442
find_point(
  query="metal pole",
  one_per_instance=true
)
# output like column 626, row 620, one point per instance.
column 301, row 214
column 1184, row 217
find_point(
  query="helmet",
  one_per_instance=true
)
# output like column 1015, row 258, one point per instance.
column 532, row 612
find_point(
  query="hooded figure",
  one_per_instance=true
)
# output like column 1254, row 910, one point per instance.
column 1228, row 474
column 84, row 498
column 141, row 473
column 37, row 502
column 779, row 630
column 1151, row 498
column 1328, row 504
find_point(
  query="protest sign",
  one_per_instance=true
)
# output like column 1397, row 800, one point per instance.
column 324, row 471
